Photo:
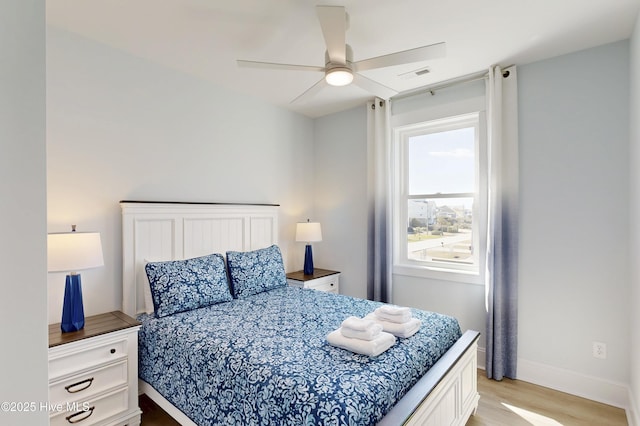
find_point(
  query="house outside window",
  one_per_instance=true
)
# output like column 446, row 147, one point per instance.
column 440, row 198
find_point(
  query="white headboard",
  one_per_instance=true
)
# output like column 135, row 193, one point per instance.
column 156, row 231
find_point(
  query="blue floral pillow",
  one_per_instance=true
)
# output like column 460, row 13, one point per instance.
column 183, row 285
column 255, row 271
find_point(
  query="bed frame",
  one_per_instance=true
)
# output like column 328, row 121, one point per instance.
column 446, row 394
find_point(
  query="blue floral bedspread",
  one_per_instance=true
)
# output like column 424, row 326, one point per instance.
column 264, row 360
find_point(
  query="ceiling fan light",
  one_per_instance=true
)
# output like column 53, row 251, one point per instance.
column 339, row 76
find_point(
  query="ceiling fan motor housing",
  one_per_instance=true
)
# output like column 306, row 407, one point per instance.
column 348, row 55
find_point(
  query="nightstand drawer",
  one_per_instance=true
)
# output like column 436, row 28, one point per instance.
column 91, row 411
column 86, row 385
column 80, row 359
column 321, row 279
column 329, row 284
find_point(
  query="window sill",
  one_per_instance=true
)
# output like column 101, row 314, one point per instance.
column 466, row 277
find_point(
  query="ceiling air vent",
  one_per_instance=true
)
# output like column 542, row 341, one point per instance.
column 415, row 73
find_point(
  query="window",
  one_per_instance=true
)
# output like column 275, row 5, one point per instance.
column 439, row 197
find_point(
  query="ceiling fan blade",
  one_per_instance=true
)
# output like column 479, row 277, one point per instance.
column 373, row 87
column 424, row 53
column 311, row 91
column 333, row 20
column 272, row 65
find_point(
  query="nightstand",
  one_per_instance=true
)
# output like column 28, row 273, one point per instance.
column 321, row 279
column 93, row 372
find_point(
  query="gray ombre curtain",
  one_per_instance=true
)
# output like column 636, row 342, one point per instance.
column 379, row 256
column 502, row 241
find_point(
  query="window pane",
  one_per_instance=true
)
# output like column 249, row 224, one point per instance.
column 442, row 162
column 440, row 230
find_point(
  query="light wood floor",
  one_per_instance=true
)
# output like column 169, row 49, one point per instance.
column 504, row 403
column 514, row 403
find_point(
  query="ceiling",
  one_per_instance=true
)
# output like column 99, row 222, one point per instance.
column 206, row 37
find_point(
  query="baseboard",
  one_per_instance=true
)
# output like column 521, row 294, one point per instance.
column 482, row 358
column 593, row 388
column 633, row 415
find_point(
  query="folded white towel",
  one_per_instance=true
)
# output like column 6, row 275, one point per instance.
column 358, row 324
column 393, row 313
column 370, row 333
column 403, row 330
column 365, row 347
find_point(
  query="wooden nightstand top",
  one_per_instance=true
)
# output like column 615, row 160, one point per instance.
column 317, row 273
column 93, row 326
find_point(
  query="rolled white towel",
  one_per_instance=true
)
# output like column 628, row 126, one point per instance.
column 369, row 334
column 357, row 324
column 359, row 328
column 364, row 347
column 403, row 330
column 393, row 313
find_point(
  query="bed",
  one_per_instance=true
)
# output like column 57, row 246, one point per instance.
column 262, row 357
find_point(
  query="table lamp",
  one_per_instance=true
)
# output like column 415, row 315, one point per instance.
column 308, row 232
column 71, row 252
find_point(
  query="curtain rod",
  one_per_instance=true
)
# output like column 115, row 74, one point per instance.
column 449, row 83
column 439, row 86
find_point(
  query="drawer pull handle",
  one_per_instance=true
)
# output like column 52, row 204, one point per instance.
column 113, row 351
column 88, row 382
column 72, row 418
column 332, row 284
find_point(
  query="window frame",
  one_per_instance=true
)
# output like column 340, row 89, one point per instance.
column 402, row 264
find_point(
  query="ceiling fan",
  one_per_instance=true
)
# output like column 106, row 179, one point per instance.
column 339, row 69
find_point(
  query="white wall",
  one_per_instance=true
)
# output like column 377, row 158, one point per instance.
column 23, row 251
column 574, row 132
column 340, row 197
column 120, row 127
column 634, row 304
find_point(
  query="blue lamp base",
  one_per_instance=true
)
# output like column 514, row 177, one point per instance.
column 72, row 309
column 308, row 260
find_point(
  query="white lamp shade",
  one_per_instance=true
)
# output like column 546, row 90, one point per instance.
column 308, row 232
column 73, row 251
